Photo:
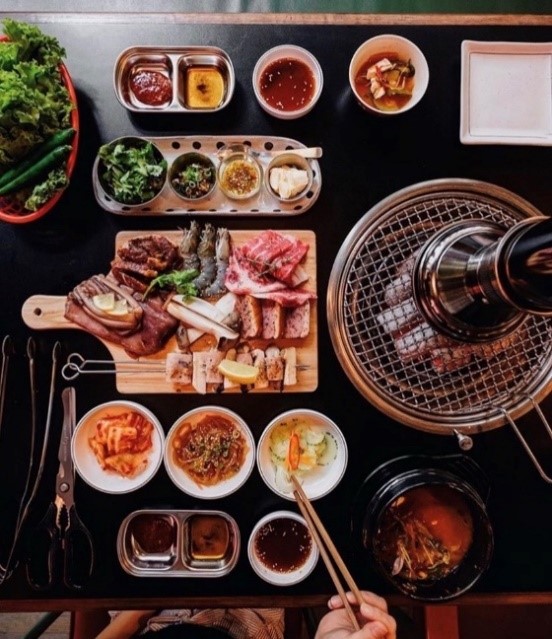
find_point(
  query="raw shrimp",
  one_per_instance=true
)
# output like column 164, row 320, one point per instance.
column 207, row 262
column 188, row 247
column 222, row 258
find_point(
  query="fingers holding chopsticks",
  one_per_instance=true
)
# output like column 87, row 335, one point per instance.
column 374, row 620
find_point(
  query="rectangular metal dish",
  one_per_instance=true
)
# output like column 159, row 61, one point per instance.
column 178, row 543
column 176, row 64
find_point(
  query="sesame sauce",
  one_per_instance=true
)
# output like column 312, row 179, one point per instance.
column 287, row 84
column 283, row 545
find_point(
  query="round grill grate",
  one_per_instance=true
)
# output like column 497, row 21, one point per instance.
column 410, row 373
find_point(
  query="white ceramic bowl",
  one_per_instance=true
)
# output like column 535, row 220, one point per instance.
column 405, row 50
column 225, row 487
column 273, row 576
column 321, row 479
column 280, row 53
column 86, row 463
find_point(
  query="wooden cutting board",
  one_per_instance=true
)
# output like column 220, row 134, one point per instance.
column 147, row 374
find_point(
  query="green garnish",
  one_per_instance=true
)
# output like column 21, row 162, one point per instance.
column 180, row 281
column 132, row 174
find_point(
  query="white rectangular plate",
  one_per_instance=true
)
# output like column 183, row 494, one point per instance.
column 506, row 93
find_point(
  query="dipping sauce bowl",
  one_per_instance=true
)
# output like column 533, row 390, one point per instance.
column 281, row 550
column 287, row 81
column 240, row 176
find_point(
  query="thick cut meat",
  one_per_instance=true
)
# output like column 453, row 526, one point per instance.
column 271, row 253
column 243, row 280
column 143, row 258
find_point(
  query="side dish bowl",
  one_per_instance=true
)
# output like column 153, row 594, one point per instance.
column 207, row 484
column 393, row 48
column 287, row 81
column 131, row 170
column 87, row 464
column 294, row 180
column 268, row 538
column 323, row 458
column 193, row 176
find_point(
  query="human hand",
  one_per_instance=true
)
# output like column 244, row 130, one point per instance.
column 374, row 620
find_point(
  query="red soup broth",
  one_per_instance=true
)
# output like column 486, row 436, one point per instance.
column 388, row 102
column 287, row 84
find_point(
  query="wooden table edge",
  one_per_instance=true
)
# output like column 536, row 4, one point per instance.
column 352, row 19
column 268, row 601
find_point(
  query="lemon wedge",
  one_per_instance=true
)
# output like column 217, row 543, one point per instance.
column 104, row 301
column 119, row 308
column 238, row 371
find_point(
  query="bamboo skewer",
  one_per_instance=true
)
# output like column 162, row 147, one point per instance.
column 327, row 548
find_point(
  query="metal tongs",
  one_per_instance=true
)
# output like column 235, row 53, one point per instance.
column 29, row 493
column 76, row 365
column 7, row 351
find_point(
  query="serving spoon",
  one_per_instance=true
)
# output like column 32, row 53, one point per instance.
column 309, row 153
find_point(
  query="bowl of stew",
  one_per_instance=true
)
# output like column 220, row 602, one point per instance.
column 287, row 81
column 388, row 75
column 424, row 526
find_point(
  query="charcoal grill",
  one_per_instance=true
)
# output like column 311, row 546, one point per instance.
column 479, row 394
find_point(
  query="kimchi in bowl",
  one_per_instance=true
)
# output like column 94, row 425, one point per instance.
column 117, row 447
column 209, row 452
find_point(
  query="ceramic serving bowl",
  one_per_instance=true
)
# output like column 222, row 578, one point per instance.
column 86, row 462
column 287, row 81
column 265, row 548
column 320, row 436
column 186, row 481
column 388, row 46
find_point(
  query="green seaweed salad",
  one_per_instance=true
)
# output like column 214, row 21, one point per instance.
column 35, row 116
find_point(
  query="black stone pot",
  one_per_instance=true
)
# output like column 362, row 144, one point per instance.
column 397, row 476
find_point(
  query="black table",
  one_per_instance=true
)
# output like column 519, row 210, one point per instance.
column 365, row 159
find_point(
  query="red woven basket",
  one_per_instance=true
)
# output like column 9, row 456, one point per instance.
column 11, row 211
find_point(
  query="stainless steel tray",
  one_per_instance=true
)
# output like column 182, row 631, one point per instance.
column 176, row 559
column 172, row 62
column 168, row 203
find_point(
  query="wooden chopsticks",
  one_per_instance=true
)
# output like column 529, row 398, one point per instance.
column 327, row 548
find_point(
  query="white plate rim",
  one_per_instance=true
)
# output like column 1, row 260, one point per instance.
column 188, row 486
column 470, row 47
column 122, row 484
column 336, row 431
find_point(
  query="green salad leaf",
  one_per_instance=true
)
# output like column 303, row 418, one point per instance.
column 132, row 174
column 34, row 103
column 31, row 44
column 55, row 181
